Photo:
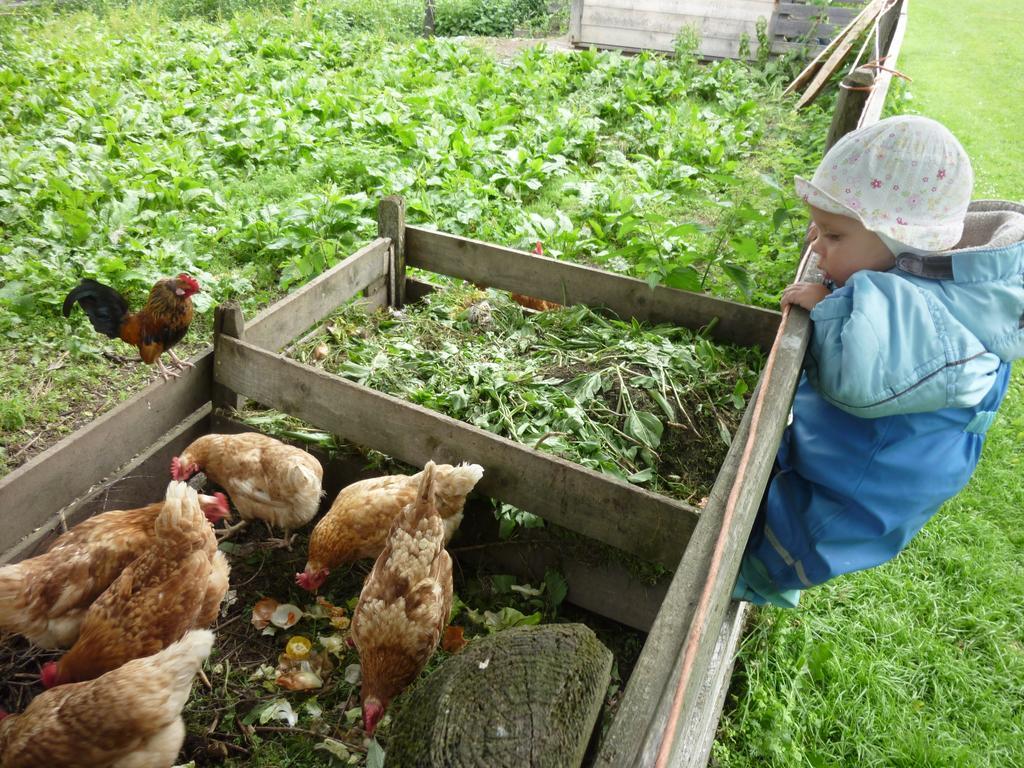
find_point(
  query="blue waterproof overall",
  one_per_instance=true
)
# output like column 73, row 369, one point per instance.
column 904, row 374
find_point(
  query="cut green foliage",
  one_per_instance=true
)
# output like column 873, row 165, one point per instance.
column 644, row 404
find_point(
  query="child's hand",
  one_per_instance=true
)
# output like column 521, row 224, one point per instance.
column 804, row 295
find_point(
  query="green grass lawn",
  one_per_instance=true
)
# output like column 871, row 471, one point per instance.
column 919, row 662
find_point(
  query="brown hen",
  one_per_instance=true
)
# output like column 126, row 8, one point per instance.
column 44, row 598
column 405, row 603
column 357, row 524
column 175, row 586
column 266, row 479
column 128, row 718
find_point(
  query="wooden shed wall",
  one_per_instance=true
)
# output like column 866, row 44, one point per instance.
column 655, row 24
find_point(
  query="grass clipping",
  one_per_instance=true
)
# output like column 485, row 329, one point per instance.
column 652, row 405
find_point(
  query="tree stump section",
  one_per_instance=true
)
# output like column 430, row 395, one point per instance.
column 527, row 696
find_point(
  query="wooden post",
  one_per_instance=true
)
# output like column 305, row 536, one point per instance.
column 428, row 19
column 849, row 105
column 391, row 224
column 227, row 321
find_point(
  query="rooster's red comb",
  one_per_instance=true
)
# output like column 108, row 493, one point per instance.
column 190, row 281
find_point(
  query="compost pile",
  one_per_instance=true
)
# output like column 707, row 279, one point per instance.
column 653, row 405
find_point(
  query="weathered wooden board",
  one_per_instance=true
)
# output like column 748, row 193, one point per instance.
column 624, row 516
column 598, row 581
column 893, row 27
column 634, row 25
column 800, row 25
column 281, row 322
column 33, row 493
column 682, row 641
column 142, row 481
column 568, row 283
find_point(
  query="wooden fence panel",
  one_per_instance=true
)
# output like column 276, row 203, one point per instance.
column 568, row 283
column 34, row 492
column 627, row 517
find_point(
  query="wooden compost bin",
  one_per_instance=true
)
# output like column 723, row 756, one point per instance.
column 672, row 702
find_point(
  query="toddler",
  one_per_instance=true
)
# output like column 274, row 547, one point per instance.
column 921, row 312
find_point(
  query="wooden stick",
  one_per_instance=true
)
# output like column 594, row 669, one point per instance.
column 827, row 50
column 850, row 36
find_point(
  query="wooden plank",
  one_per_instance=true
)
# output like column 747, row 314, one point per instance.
column 811, row 68
column 597, row 583
column 666, row 23
column 575, row 18
column 417, row 289
column 637, row 521
column 699, row 732
column 654, row 706
column 728, row 9
column 876, row 101
column 803, row 12
column 141, row 482
column 718, row 45
column 227, row 319
column 281, row 322
column 32, row 493
column 391, row 224
column 568, row 283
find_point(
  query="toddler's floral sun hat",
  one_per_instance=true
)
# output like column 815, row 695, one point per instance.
column 906, row 178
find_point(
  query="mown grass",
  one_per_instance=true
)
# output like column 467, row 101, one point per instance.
column 919, row 662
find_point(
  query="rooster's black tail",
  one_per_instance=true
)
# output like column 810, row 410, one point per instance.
column 105, row 307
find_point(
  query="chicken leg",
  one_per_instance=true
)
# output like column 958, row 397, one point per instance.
column 178, row 362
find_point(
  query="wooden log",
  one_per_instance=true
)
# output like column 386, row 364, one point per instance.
column 527, row 696
column 391, row 224
column 849, row 105
column 645, row 524
column 567, row 283
column 227, row 321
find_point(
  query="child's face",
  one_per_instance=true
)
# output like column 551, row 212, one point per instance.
column 844, row 246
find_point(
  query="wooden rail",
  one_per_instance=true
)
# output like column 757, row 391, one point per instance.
column 673, row 699
column 32, row 495
column 627, row 517
column 568, row 283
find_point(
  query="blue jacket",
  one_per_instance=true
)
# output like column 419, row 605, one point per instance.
column 904, row 374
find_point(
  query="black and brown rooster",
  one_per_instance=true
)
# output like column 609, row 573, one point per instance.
column 154, row 329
